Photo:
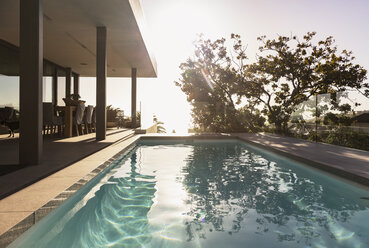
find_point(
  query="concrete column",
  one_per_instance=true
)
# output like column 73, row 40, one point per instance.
column 76, row 83
column 134, row 97
column 101, row 83
column 31, row 71
column 68, row 79
column 55, row 86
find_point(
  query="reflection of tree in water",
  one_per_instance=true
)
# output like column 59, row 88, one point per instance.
column 227, row 180
column 116, row 216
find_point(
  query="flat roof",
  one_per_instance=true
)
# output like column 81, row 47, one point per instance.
column 70, row 35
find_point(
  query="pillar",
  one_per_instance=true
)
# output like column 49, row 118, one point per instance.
column 30, row 86
column 55, row 87
column 100, row 83
column 76, row 84
column 134, row 97
column 68, row 80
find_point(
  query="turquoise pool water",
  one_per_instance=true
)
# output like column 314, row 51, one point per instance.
column 207, row 194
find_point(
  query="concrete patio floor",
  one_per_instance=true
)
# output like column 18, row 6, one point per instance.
column 352, row 164
column 58, row 153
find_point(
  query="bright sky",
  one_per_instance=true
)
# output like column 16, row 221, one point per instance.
column 174, row 24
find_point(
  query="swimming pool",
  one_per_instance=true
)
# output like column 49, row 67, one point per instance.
column 207, row 194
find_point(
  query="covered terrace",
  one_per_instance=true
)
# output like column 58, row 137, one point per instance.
column 75, row 38
column 64, row 41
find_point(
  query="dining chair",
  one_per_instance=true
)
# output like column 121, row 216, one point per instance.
column 9, row 118
column 50, row 120
column 3, row 115
column 88, row 118
column 93, row 124
column 78, row 117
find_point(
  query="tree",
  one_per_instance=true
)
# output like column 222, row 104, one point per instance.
column 112, row 113
column 209, row 80
column 227, row 94
column 289, row 71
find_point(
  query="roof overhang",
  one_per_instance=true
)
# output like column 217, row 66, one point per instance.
column 70, row 34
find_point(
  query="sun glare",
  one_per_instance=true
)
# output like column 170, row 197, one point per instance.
column 173, row 29
column 206, row 76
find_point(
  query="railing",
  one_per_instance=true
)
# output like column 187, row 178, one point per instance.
column 339, row 118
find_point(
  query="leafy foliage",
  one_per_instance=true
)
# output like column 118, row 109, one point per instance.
column 113, row 113
column 210, row 81
column 343, row 136
column 289, row 71
column 228, row 94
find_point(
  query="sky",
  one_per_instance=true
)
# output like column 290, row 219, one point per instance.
column 173, row 26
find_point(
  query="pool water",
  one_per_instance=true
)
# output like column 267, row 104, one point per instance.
column 207, row 194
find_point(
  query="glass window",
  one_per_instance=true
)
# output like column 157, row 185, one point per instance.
column 9, row 93
column 61, row 90
column 88, row 90
column 47, row 89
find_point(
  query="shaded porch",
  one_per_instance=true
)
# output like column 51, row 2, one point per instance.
column 58, row 153
column 95, row 39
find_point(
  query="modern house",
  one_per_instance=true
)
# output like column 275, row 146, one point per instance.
column 71, row 39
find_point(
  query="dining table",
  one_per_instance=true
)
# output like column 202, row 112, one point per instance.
column 68, row 118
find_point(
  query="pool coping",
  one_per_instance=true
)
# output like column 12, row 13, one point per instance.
column 13, row 233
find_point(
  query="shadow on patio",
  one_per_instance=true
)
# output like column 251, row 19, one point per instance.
column 57, row 154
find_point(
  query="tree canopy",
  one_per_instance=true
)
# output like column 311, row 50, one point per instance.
column 210, row 81
column 229, row 94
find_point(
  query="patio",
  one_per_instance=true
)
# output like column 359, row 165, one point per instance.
column 39, row 42
column 349, row 163
column 58, row 153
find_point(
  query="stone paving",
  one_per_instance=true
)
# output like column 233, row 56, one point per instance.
column 352, row 164
column 57, row 154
